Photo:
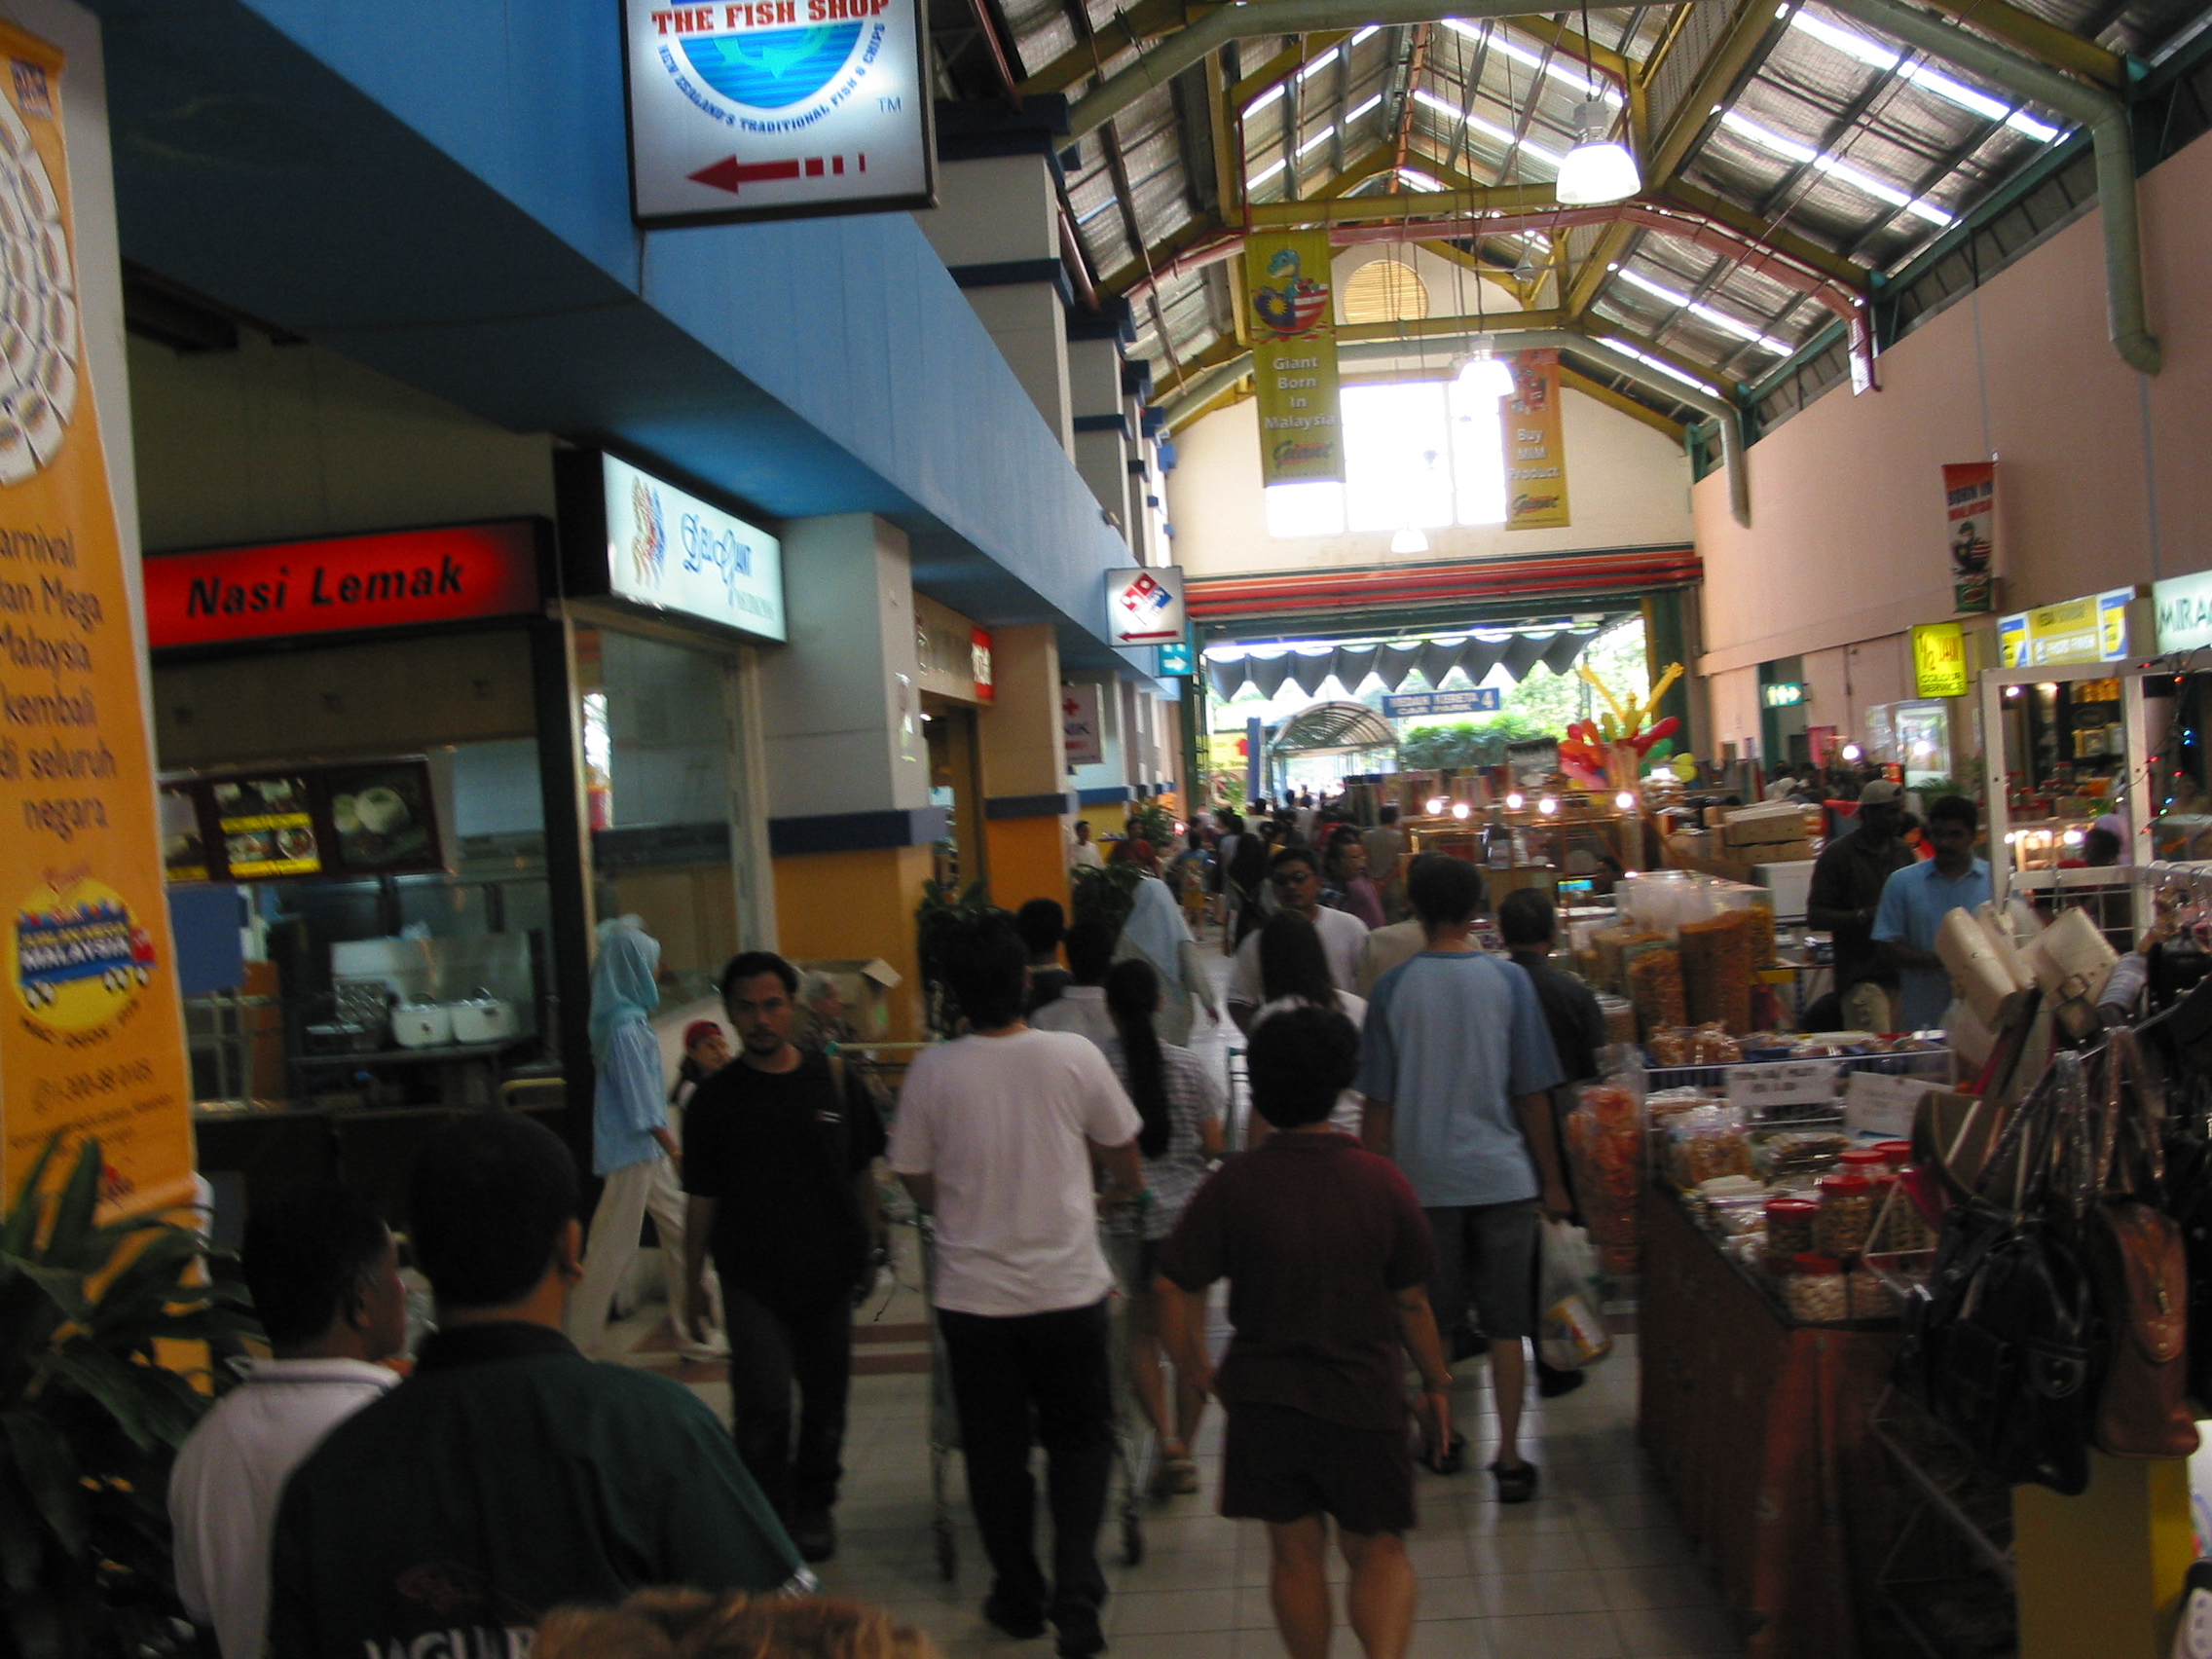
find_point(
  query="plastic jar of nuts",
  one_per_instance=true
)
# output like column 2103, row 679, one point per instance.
column 1868, row 1297
column 1847, row 1214
column 1815, row 1290
column 1790, row 1226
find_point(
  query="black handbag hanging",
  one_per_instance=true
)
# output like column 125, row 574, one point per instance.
column 1999, row 1340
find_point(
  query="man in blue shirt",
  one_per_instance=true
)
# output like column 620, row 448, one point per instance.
column 1914, row 902
column 1457, row 1064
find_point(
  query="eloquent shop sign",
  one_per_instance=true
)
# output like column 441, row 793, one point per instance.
column 344, row 585
column 1425, row 705
column 772, row 109
column 672, row 551
column 1939, row 660
column 1144, row 605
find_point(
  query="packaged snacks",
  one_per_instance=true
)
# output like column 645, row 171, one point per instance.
column 1867, row 1297
column 1738, row 1213
column 1605, row 1142
column 1708, row 1141
column 1620, row 1019
column 1655, row 987
column 1717, row 969
column 1790, row 1226
column 1816, row 1292
column 1803, row 1152
column 1710, row 1045
column 1847, row 1214
column 1672, row 1046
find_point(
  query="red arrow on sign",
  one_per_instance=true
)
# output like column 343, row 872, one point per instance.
column 730, row 174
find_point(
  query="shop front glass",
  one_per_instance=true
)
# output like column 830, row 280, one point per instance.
column 664, row 790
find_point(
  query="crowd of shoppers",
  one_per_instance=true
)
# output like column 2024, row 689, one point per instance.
column 1385, row 1209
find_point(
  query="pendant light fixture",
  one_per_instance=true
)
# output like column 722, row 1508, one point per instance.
column 1599, row 170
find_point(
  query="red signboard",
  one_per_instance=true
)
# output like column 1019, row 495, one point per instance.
column 342, row 586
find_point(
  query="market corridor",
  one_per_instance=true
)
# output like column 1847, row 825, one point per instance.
column 1595, row 1568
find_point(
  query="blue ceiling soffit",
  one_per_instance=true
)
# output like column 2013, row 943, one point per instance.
column 439, row 189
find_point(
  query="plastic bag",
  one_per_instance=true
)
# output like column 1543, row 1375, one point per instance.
column 1570, row 1334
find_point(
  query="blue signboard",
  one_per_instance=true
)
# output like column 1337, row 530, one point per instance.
column 1425, row 705
column 1178, row 658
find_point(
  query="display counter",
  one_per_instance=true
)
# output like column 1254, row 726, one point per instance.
column 1759, row 1428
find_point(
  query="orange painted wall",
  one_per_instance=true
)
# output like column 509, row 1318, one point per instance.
column 1028, row 859
column 856, row 905
column 1846, row 541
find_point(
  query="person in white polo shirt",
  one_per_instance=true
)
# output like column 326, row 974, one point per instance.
column 998, row 1134
column 325, row 1273
column 1296, row 875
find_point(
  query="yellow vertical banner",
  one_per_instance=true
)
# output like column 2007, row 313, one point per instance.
column 91, row 1033
column 1292, row 303
column 1535, row 449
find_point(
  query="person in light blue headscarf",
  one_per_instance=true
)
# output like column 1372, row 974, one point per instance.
column 631, row 1141
column 1156, row 932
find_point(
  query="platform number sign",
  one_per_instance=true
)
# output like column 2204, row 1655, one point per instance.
column 777, row 109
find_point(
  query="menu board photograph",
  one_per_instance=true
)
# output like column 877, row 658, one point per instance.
column 266, row 826
column 373, row 818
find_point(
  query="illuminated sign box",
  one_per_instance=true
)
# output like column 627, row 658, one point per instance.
column 1939, row 660
column 766, row 109
column 345, row 585
column 1784, row 694
column 2093, row 628
column 2184, row 604
column 629, row 535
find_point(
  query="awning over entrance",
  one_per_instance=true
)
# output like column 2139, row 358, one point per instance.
column 1332, row 726
column 1353, row 664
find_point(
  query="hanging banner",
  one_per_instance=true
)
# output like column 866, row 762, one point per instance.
column 1292, row 302
column 91, row 1033
column 1970, row 511
column 777, row 109
column 1535, row 451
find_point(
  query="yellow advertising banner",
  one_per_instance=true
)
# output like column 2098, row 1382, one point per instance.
column 1292, row 303
column 1535, row 449
column 91, row 1033
column 1938, row 659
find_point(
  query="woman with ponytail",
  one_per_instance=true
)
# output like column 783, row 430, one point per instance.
column 1180, row 1102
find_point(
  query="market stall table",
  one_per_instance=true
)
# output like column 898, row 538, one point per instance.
column 1760, row 1430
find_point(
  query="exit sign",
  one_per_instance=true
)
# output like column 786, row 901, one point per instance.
column 1786, row 694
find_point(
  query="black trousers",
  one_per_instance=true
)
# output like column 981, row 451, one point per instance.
column 769, row 1353
column 1049, row 1369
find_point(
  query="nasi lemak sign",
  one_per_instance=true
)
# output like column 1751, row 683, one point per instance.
column 764, row 109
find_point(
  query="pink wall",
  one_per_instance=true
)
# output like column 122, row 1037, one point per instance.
column 1846, row 541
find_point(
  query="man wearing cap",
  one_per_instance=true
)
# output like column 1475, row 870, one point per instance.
column 1848, row 879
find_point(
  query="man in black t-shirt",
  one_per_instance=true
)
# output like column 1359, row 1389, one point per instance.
column 777, row 1150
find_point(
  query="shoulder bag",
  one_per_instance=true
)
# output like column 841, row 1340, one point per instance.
column 2140, row 1260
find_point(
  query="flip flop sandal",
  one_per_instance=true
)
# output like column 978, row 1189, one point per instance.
column 1181, row 1476
column 1453, row 1458
column 1515, row 1486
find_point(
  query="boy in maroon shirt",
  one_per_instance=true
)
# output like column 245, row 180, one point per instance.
column 1326, row 1252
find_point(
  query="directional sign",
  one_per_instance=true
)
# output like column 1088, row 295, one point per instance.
column 1144, row 605
column 1426, row 705
column 764, row 109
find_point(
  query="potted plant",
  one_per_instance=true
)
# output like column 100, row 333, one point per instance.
column 90, row 1418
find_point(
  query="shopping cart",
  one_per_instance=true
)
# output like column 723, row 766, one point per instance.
column 1136, row 1447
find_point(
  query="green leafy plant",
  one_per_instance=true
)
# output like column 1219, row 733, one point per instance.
column 90, row 1420
column 943, row 910
column 1104, row 895
column 1151, row 822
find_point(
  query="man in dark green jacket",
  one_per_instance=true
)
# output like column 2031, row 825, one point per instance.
column 511, row 1474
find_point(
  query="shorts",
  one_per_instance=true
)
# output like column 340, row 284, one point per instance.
column 1148, row 1264
column 1281, row 1465
column 1486, row 1254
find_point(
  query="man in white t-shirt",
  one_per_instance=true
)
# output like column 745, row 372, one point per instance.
column 997, row 1134
column 324, row 1274
column 1296, row 874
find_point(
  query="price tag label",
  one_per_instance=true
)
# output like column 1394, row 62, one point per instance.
column 1760, row 1088
column 1883, row 1106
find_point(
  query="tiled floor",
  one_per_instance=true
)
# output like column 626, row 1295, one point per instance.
column 1594, row 1569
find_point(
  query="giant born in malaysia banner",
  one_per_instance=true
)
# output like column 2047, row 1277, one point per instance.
column 91, row 1038
column 1292, row 303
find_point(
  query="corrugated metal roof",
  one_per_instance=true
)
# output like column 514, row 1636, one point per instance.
column 1831, row 133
